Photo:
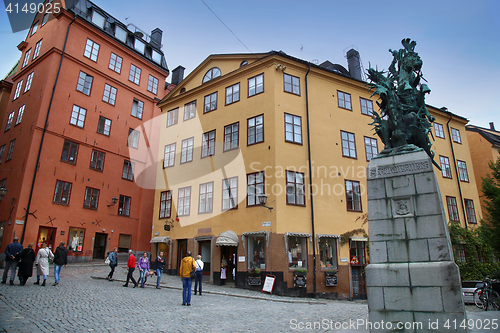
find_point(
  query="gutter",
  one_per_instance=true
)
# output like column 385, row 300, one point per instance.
column 43, row 134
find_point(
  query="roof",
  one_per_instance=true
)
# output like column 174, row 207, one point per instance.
column 12, row 71
column 490, row 135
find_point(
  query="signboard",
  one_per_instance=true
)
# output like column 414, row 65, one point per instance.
column 241, row 259
column 344, row 259
column 331, row 280
column 299, row 281
column 19, row 221
column 269, row 284
column 254, row 281
column 266, row 224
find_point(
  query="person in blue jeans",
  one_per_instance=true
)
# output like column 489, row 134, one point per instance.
column 60, row 260
column 113, row 262
column 199, row 274
column 159, row 266
column 143, row 266
column 11, row 251
column 187, row 265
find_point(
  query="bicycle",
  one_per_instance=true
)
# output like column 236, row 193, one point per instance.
column 486, row 298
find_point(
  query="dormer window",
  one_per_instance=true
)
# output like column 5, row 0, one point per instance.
column 98, row 19
column 211, row 74
column 121, row 34
column 156, row 57
column 139, row 45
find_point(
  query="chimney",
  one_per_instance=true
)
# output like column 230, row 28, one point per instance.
column 178, row 75
column 492, row 126
column 156, row 36
column 354, row 64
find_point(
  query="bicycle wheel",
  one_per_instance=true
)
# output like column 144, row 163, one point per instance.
column 477, row 298
column 493, row 302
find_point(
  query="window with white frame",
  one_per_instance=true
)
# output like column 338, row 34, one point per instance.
column 10, row 119
column 10, row 152
column 91, row 198
column 255, row 85
column 231, row 136
column 462, row 171
column 128, row 170
column 210, row 102
column 109, row 95
column 233, row 93
column 29, row 79
column 255, row 187
column 98, row 19
column 206, row 200
column 439, row 130
column 255, row 130
column 45, row 19
column 78, row 116
column 38, row 46
column 62, row 193
column 97, row 160
column 115, row 63
column 18, row 90
column 455, row 134
column 230, row 193
column 137, row 108
column 295, row 188
column 366, row 106
column 293, row 128
column 187, row 147
column 139, row 45
column 134, row 74
column 297, row 252
column 211, row 74
column 328, row 253
column 124, row 205
column 169, row 155
column 172, row 117
column 91, row 50
column 371, row 148
column 35, row 28
column 348, row 144
column 184, row 201
column 26, row 58
column 344, row 100
column 165, row 204
column 445, row 166
column 152, row 84
column 189, row 110
column 20, row 114
column 208, row 144
column 291, row 84
column 84, row 84
column 104, row 126
column 133, row 138
column 257, row 252
column 120, row 33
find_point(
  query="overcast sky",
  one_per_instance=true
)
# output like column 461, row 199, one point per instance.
column 458, row 40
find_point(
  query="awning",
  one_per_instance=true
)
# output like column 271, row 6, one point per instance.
column 160, row 239
column 359, row 239
column 227, row 238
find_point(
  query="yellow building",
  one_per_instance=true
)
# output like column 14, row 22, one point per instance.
column 242, row 125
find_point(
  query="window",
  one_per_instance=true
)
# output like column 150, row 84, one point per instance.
column 187, row 146
column 184, row 201
column 37, row 49
column 115, row 63
column 69, row 152
column 233, row 93
column 371, row 148
column 124, row 205
column 328, row 253
column 206, row 198
column 165, row 204
column 255, row 85
column 452, row 209
column 462, row 171
column 18, row 90
column 104, row 126
column 10, row 119
column 139, row 45
column 172, row 117
column 91, row 50
column 84, row 83
column 295, row 188
column 366, row 106
column 257, row 252
column 10, row 151
column 344, row 100
column 353, row 195
column 152, row 84
column 445, row 166
column 348, row 144
column 91, row 198
column 109, row 94
column 212, row 73
column 20, row 114
column 2, row 151
column 121, row 34
column 438, row 129
column 231, row 136
column 62, row 193
column 26, row 58
column 75, row 240
column 469, row 209
column 97, row 160
column 35, row 28
column 124, row 242
column 189, row 110
column 28, row 82
column 78, row 116
column 297, row 252
column 169, row 155
column 156, row 57
column 455, row 134
column 210, row 102
column 135, row 74
column 128, row 170
column 208, row 144
column 293, row 128
column 98, row 19
column 255, row 130
column 45, row 19
column 291, row 84
column 133, row 138
column 255, row 187
column 357, row 253
column 230, row 193
column 137, row 107
column 460, row 253
column 2, row 182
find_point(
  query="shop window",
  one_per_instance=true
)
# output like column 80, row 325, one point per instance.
column 257, row 252
column 75, row 240
column 297, row 252
column 328, row 253
column 357, row 253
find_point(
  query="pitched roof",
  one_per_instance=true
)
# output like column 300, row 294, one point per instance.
column 490, row 135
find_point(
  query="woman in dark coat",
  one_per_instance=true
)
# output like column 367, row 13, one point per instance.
column 27, row 258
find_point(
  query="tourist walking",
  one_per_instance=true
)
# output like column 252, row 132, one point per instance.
column 131, row 268
column 187, row 265
column 113, row 262
column 42, row 263
column 11, row 251
column 199, row 274
column 143, row 266
column 26, row 260
column 60, row 260
column 159, row 266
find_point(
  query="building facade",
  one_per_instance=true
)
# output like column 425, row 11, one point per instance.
column 85, row 81
column 246, row 127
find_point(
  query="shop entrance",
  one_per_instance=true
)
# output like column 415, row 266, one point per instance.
column 46, row 235
column 204, row 251
column 228, row 261
column 99, row 245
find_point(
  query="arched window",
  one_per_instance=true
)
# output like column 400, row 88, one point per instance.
column 211, row 74
column 243, row 63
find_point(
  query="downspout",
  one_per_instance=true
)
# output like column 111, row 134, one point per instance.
column 310, row 182
column 456, row 171
column 43, row 133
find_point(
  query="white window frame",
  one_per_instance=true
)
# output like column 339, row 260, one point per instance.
column 91, row 50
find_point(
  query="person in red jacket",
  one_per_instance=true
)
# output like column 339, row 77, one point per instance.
column 131, row 268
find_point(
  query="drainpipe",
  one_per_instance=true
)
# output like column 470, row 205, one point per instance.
column 43, row 133
column 456, row 171
column 310, row 182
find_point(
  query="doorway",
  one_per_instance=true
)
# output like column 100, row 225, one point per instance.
column 204, row 251
column 46, row 235
column 99, row 245
column 228, row 258
column 181, row 251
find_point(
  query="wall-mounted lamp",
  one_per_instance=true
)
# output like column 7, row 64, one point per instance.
column 169, row 224
column 3, row 193
column 114, row 200
column 263, row 201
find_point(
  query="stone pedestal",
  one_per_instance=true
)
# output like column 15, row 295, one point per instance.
column 412, row 277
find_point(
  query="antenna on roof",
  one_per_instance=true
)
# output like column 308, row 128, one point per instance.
column 301, row 49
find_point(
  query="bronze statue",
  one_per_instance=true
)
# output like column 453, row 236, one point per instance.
column 404, row 122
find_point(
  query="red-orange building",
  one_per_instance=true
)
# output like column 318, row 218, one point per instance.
column 84, row 83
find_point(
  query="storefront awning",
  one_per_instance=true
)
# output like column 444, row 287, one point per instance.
column 160, row 239
column 227, row 238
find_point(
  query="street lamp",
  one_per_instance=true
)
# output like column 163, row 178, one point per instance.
column 263, row 201
column 114, row 200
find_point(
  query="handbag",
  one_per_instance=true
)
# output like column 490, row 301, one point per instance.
column 107, row 261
